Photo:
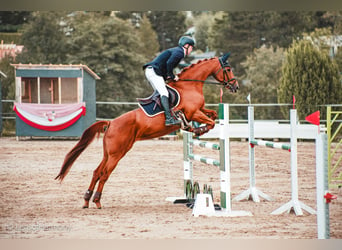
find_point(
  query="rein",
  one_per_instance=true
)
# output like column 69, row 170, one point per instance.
column 228, row 83
column 231, row 87
column 204, row 81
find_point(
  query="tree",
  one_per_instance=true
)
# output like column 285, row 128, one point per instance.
column 169, row 25
column 338, row 59
column 263, row 71
column 148, row 38
column 8, row 91
column 311, row 76
column 203, row 24
column 11, row 21
column 332, row 19
column 241, row 32
column 237, row 32
column 111, row 47
column 284, row 26
column 44, row 39
column 134, row 17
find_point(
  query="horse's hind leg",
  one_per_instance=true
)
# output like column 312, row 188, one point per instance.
column 118, row 150
column 104, row 175
column 96, row 176
column 118, row 140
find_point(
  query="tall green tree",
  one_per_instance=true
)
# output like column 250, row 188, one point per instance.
column 44, row 39
column 169, row 25
column 237, row 32
column 284, row 26
column 203, row 24
column 148, row 38
column 263, row 71
column 241, row 32
column 111, row 47
column 311, row 76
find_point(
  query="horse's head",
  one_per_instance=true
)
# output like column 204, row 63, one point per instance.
column 225, row 74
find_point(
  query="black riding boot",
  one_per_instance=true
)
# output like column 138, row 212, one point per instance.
column 169, row 119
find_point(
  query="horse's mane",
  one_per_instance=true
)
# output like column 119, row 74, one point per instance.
column 195, row 64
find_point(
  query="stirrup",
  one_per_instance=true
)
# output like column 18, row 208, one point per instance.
column 172, row 121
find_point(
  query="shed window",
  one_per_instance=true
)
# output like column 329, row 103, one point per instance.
column 69, row 90
column 29, row 88
column 51, row 90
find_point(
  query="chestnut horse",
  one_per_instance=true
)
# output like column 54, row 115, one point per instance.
column 121, row 133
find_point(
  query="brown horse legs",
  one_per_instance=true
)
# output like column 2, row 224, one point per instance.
column 97, row 197
column 201, row 117
column 210, row 113
column 101, row 174
column 88, row 194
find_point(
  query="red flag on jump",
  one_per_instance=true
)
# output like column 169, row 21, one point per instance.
column 314, row 118
column 294, row 102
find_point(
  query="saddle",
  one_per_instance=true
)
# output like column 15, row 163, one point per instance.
column 152, row 105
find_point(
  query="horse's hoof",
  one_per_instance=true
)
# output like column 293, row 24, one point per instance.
column 86, row 204
column 98, row 205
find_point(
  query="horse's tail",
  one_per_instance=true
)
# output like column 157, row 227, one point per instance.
column 86, row 138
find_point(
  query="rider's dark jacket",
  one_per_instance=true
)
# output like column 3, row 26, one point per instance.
column 166, row 61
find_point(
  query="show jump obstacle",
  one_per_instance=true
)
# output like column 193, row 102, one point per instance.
column 323, row 196
column 223, row 163
column 253, row 192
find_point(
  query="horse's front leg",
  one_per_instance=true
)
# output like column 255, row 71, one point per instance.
column 200, row 117
column 210, row 113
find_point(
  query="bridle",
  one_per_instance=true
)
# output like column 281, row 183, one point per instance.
column 229, row 83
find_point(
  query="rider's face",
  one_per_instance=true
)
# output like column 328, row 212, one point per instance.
column 188, row 49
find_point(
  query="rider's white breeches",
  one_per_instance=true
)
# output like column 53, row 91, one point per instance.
column 157, row 82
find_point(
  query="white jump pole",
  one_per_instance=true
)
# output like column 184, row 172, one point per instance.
column 294, row 203
column 187, row 164
column 225, row 185
column 252, row 192
column 225, row 196
column 323, row 225
column 223, row 164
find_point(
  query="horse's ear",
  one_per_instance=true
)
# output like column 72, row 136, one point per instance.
column 225, row 57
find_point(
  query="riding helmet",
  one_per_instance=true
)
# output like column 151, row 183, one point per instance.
column 186, row 40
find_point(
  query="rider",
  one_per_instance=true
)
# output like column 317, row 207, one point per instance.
column 160, row 69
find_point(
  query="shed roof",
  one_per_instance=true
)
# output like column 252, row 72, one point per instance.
column 57, row 67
